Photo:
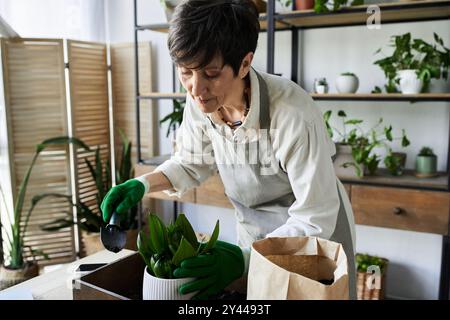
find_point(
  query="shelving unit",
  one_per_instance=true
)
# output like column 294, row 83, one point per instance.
column 353, row 16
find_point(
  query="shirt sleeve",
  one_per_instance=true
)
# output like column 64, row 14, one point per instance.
column 306, row 158
column 193, row 160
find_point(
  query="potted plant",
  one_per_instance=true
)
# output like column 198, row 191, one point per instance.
column 347, row 83
column 371, row 276
column 426, row 163
column 360, row 144
column 395, row 162
column 322, row 6
column 163, row 250
column 16, row 267
column 88, row 218
column 413, row 64
column 321, row 85
column 304, row 4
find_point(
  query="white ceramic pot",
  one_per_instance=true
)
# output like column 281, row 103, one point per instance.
column 409, row 82
column 347, row 84
column 163, row 289
column 321, row 89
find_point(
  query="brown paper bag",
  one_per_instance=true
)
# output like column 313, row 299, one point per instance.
column 293, row 268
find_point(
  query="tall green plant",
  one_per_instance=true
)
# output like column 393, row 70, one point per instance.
column 431, row 61
column 15, row 236
column 166, row 247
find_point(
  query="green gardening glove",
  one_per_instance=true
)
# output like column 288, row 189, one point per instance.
column 121, row 198
column 215, row 270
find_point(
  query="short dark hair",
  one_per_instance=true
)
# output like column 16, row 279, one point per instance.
column 202, row 29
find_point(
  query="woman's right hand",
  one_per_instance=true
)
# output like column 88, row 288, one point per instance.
column 121, row 198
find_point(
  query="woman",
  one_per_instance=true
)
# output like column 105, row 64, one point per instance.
column 263, row 134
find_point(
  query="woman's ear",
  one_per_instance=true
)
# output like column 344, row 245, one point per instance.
column 246, row 65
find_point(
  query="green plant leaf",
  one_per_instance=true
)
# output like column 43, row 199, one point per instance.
column 144, row 248
column 186, row 229
column 185, row 251
column 354, row 121
column 158, row 234
column 212, row 241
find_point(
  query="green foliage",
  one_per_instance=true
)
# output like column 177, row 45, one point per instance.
column 320, row 6
column 166, row 247
column 285, row 3
column 363, row 142
column 88, row 218
column 364, row 261
column 426, row 152
column 429, row 61
column 393, row 162
column 17, row 230
column 175, row 117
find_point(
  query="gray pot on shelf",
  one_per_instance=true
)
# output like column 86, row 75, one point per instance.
column 426, row 166
column 344, row 155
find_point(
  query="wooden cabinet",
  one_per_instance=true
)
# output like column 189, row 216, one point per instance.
column 397, row 208
column 406, row 209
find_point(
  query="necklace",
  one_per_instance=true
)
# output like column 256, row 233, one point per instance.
column 237, row 123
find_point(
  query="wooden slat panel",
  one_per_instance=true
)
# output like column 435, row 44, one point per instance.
column 416, row 210
column 124, row 106
column 90, row 115
column 36, row 110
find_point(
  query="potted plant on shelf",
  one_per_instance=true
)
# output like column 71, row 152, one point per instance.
column 395, row 162
column 413, row 64
column 16, row 267
column 304, row 4
column 426, row 163
column 321, row 85
column 321, row 6
column 347, row 83
column 371, row 277
column 163, row 250
column 355, row 148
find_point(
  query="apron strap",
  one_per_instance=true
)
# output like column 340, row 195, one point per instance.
column 264, row 112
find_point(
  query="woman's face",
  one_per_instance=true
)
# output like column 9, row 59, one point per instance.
column 212, row 86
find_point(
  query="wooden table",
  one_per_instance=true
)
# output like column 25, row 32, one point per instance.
column 57, row 284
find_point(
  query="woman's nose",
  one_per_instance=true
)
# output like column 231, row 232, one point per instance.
column 198, row 86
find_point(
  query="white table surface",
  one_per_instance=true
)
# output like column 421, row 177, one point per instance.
column 57, row 284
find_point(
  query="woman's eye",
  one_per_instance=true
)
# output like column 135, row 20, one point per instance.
column 211, row 76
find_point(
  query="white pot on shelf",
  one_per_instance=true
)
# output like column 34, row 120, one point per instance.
column 347, row 84
column 409, row 82
column 154, row 288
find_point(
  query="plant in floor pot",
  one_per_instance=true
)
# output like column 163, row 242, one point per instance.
column 371, row 276
column 426, row 163
column 347, row 83
column 16, row 267
column 413, row 64
column 89, row 219
column 163, row 250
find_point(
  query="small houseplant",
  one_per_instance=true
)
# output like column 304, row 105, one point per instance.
column 321, row 6
column 321, row 85
column 395, row 162
column 163, row 250
column 16, row 268
column 360, row 144
column 371, row 276
column 426, row 163
column 347, row 82
column 413, row 64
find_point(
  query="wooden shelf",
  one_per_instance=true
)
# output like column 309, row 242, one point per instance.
column 383, row 96
column 407, row 180
column 357, row 15
column 162, row 95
